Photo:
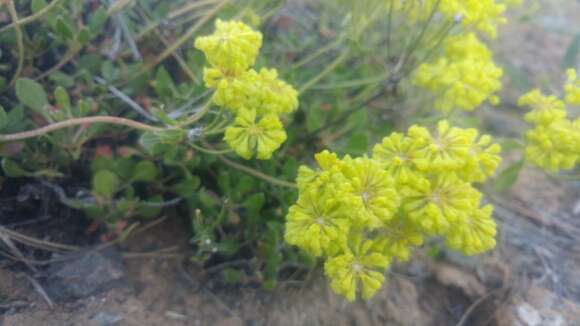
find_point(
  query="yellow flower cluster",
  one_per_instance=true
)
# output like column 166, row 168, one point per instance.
column 257, row 98
column 360, row 213
column 572, row 88
column 482, row 15
column 554, row 142
column 464, row 77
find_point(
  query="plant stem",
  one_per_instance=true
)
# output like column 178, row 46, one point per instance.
column 210, row 151
column 324, row 72
column 75, row 122
column 318, row 53
column 19, row 40
column 257, row 174
column 30, row 18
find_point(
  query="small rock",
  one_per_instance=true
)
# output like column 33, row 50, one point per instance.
column 85, row 274
column 106, row 319
column 528, row 315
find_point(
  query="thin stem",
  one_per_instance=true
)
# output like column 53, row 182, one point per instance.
column 318, row 53
column 199, row 114
column 389, row 26
column 184, row 38
column 19, row 40
column 210, row 151
column 75, row 122
column 30, row 18
column 353, row 83
column 257, row 174
column 324, row 72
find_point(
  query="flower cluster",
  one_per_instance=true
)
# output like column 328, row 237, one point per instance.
column 482, row 15
column 361, row 213
column 464, row 77
column 256, row 98
column 554, row 142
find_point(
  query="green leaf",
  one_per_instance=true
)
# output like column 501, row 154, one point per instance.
column 163, row 83
column 64, row 28
column 171, row 136
column 358, row 144
column 315, row 117
column 31, row 94
column 37, row 5
column 255, row 203
column 145, row 171
column 161, row 115
column 97, row 20
column 3, row 118
column 62, row 98
column 188, row 187
column 571, row 55
column 509, row 176
column 84, row 36
column 150, row 142
column 105, row 183
column 12, row 169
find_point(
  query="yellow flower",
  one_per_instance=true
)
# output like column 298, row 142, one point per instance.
column 397, row 153
column 482, row 161
column 463, row 78
column 545, row 109
column 359, row 269
column 233, row 90
column 399, row 236
column 316, row 222
column 554, row 147
column 572, row 88
column 372, row 186
column 275, row 96
column 233, row 46
column 475, row 233
column 435, row 204
column 246, row 136
column 447, row 150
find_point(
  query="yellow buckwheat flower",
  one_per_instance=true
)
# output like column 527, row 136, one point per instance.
column 555, row 146
column 246, row 136
column 545, row 109
column 475, row 233
column 276, row 96
column 359, row 268
column 572, row 88
column 464, row 77
column 437, row 203
column 232, row 90
column 397, row 153
column 399, row 236
column 446, row 150
column 373, row 189
column 482, row 161
column 233, row 46
column 316, row 222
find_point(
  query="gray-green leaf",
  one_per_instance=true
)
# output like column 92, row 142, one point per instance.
column 31, row 94
column 105, row 183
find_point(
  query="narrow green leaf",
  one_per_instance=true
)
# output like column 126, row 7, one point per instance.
column 63, row 28
column 62, row 98
column 571, row 55
column 12, row 169
column 509, row 176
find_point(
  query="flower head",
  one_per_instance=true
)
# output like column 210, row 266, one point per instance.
column 475, row 233
column 572, row 88
column 545, row 109
column 316, row 222
column 373, row 188
column 233, row 46
column 554, row 147
column 398, row 153
column 360, row 268
column 248, row 136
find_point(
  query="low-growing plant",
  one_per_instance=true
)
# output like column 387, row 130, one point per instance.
column 146, row 124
